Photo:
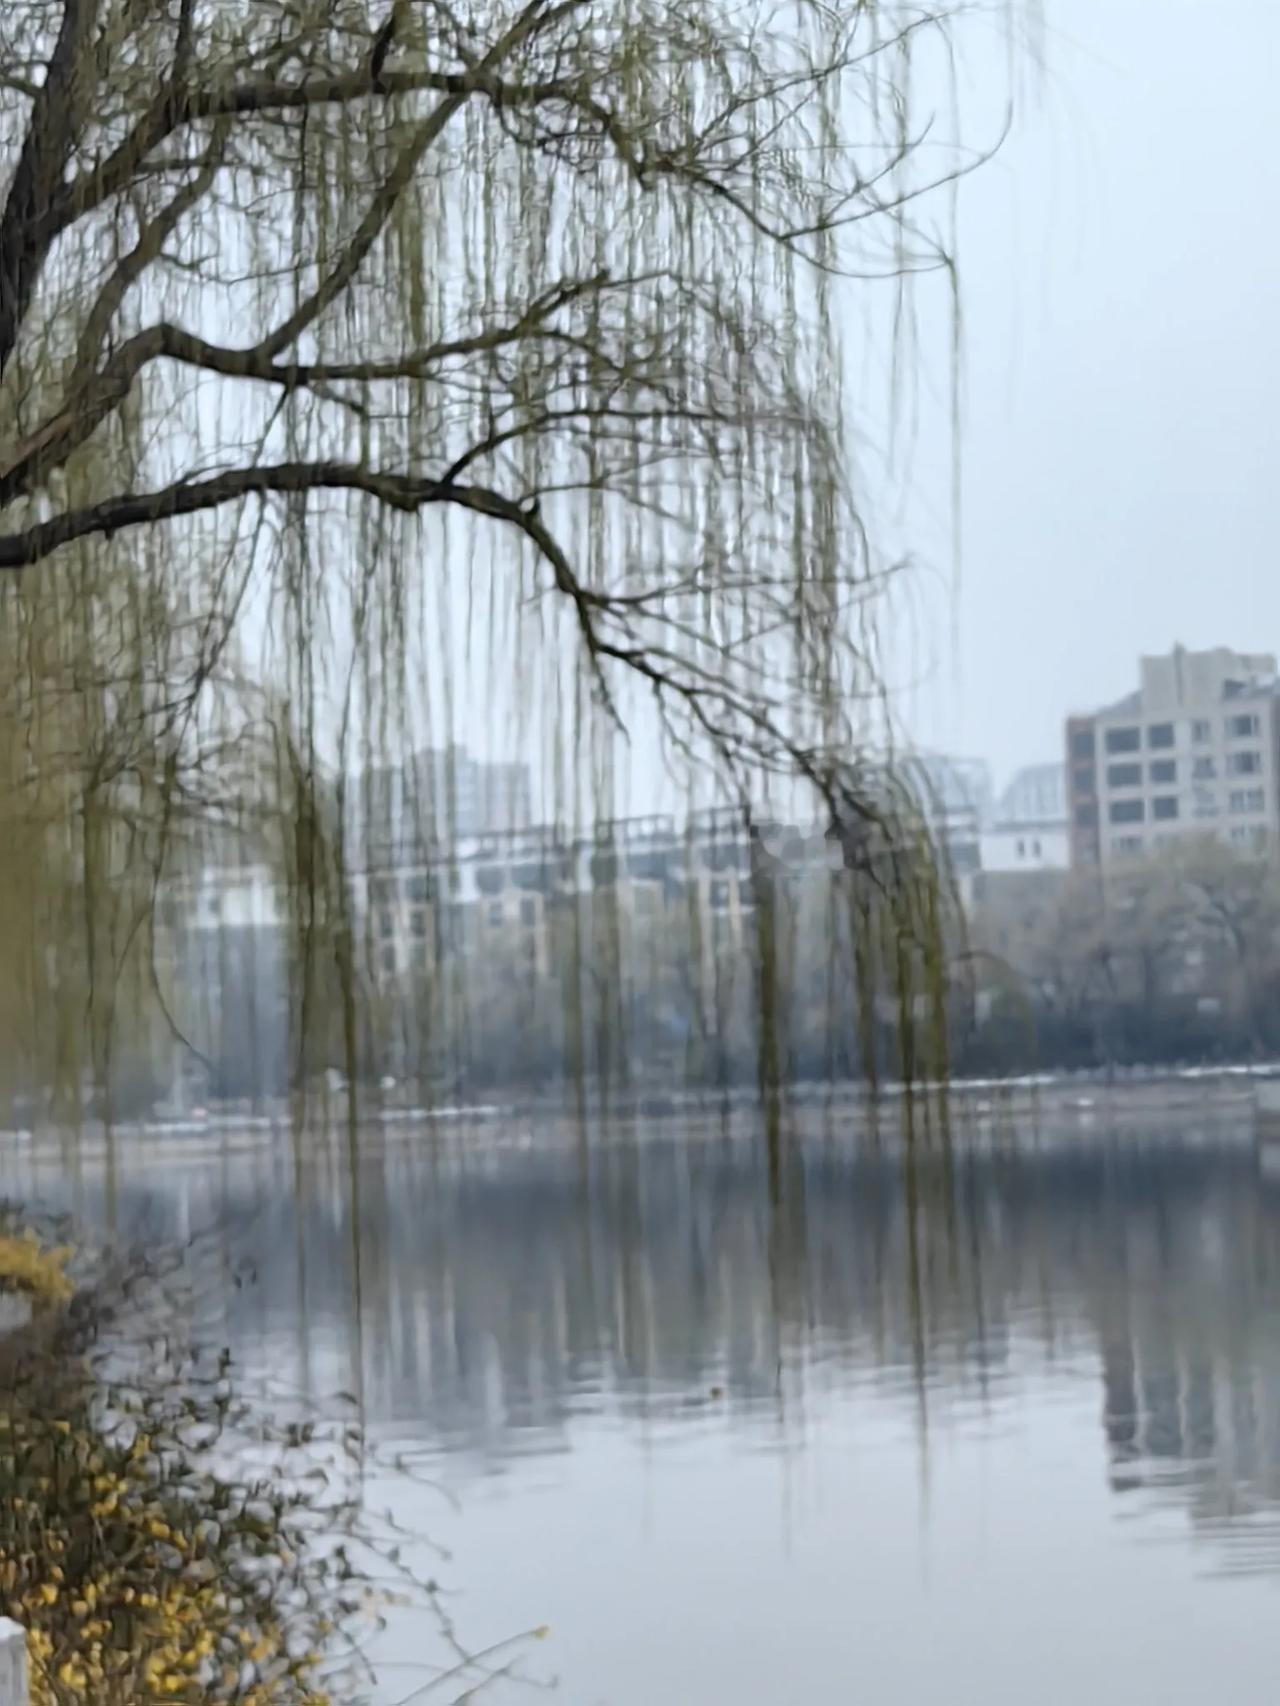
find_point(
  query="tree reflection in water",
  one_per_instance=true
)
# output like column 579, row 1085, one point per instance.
column 503, row 1298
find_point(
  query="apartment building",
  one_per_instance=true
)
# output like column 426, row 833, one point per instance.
column 440, row 794
column 1193, row 750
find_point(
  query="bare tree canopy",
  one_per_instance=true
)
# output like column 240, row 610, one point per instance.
column 483, row 262
column 305, row 302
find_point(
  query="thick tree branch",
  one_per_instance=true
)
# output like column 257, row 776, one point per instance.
column 405, row 492
column 51, row 133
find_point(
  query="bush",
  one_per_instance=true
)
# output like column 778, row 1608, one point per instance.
column 144, row 1564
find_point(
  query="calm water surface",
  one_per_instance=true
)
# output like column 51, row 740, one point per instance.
column 1006, row 1432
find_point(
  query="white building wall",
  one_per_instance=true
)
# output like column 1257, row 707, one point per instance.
column 1194, row 752
column 1026, row 847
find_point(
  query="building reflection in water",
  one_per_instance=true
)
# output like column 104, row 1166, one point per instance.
column 503, row 1300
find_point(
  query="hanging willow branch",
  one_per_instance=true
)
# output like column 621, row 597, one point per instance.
column 319, row 316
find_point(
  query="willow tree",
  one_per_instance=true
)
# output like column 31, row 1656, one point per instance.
column 337, row 334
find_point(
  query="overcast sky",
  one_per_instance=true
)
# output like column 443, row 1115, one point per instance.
column 1121, row 277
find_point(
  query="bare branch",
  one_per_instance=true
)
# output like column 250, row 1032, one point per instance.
column 186, row 497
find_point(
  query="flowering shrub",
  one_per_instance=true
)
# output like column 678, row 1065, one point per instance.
column 144, row 1563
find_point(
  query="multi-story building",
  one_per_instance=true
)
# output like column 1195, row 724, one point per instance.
column 1084, row 842
column 440, row 794
column 222, row 965
column 1195, row 749
column 452, row 896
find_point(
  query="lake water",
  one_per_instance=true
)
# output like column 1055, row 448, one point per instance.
column 1001, row 1431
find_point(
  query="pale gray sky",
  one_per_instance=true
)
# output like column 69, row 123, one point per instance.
column 1121, row 272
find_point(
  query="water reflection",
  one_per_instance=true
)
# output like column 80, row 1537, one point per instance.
column 1114, row 1295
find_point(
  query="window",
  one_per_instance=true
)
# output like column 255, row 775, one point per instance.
column 1127, row 811
column 1125, row 846
column 389, row 960
column 418, row 924
column 1082, row 743
column 1123, row 740
column 1164, row 770
column 528, row 910
column 382, row 889
column 1087, row 816
column 418, row 890
column 497, row 912
column 1201, row 731
column 386, row 923
column 1083, row 779
column 719, row 894
column 1124, row 775
column 1022, row 849
column 1206, row 806
column 1242, row 727
column 1247, row 763
column 1160, row 735
column 1203, row 769
column 1247, row 800
column 1165, row 806
column 1035, row 849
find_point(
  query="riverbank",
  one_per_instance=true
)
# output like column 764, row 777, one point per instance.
column 1019, row 1107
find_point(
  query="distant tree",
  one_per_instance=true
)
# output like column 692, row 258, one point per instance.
column 1236, row 902
column 1148, row 920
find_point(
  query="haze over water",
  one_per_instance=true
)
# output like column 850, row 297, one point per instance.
column 1001, row 1432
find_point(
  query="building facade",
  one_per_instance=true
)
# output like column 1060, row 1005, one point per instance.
column 440, row 794
column 1030, row 829
column 1194, row 750
column 1025, row 847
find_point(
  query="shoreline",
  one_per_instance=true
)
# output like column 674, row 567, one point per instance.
column 973, row 1106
